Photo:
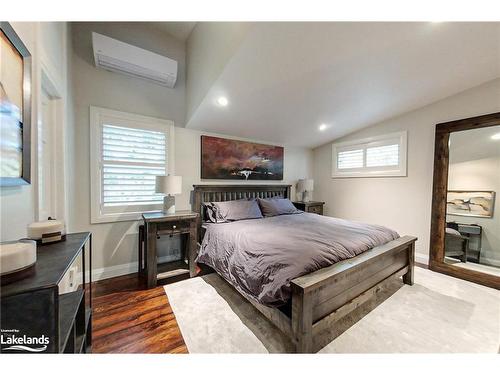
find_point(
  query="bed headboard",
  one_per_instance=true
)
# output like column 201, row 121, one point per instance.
column 222, row 193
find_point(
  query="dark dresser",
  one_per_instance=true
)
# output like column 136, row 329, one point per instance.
column 311, row 206
column 50, row 311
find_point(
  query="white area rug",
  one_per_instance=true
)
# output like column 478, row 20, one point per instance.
column 437, row 314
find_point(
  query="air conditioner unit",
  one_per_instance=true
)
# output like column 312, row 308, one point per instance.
column 113, row 55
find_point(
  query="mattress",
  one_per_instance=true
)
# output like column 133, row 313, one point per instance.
column 260, row 257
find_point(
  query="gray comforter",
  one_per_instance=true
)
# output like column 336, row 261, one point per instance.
column 259, row 257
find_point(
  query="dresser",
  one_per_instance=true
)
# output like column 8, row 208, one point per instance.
column 311, row 206
column 50, row 311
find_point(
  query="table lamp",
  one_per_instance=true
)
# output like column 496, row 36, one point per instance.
column 305, row 186
column 169, row 186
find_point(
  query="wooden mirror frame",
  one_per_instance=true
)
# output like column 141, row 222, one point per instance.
column 439, row 193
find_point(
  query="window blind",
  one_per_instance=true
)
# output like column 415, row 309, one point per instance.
column 382, row 156
column 350, row 159
column 378, row 156
column 131, row 158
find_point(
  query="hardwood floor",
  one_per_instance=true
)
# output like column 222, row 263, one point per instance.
column 128, row 318
column 131, row 319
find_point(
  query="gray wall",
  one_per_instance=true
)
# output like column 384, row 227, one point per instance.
column 115, row 244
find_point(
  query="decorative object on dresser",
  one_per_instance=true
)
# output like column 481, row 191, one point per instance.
column 312, row 207
column 305, row 186
column 17, row 260
column 170, row 186
column 15, row 109
column 50, row 311
column 229, row 159
column 47, row 231
column 183, row 223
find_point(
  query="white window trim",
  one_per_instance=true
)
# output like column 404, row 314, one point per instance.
column 394, row 171
column 97, row 116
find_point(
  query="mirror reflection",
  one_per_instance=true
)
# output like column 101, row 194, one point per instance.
column 472, row 238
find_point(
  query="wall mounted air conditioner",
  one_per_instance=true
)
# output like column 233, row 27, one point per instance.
column 113, row 55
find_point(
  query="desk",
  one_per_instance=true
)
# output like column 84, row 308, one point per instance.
column 475, row 234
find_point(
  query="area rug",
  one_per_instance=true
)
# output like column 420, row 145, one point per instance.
column 438, row 314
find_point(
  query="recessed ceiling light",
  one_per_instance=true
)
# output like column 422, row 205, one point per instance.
column 222, row 101
column 323, row 127
column 495, row 137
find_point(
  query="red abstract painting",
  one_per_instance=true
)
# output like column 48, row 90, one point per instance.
column 229, row 159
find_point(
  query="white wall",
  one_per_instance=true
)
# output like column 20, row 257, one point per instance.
column 402, row 203
column 115, row 244
column 47, row 43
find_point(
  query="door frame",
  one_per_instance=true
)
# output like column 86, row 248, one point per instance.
column 57, row 191
column 439, row 194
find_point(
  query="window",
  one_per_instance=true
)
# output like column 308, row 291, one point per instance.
column 371, row 157
column 127, row 153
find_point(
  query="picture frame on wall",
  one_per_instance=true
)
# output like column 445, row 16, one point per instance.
column 15, row 109
column 470, row 203
column 230, row 159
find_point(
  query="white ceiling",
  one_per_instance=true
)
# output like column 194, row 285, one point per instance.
column 285, row 79
column 179, row 30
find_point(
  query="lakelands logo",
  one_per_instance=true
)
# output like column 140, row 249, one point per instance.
column 22, row 342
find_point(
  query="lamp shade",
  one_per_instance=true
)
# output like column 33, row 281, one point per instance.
column 169, row 184
column 306, row 184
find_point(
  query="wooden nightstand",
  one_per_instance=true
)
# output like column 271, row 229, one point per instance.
column 157, row 224
column 312, row 207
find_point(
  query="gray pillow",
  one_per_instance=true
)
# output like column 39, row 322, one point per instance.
column 223, row 212
column 277, row 206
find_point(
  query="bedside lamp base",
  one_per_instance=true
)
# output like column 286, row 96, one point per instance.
column 169, row 204
column 306, row 196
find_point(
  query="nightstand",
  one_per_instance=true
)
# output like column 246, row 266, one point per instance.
column 312, row 207
column 156, row 224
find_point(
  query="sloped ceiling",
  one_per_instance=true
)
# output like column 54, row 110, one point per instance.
column 285, row 79
column 179, row 30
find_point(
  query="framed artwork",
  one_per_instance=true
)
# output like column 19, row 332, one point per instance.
column 228, row 159
column 15, row 109
column 470, row 203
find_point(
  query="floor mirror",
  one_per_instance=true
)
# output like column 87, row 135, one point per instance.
column 465, row 226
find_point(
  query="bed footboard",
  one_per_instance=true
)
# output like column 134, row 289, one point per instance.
column 324, row 296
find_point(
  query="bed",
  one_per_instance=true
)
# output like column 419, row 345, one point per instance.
column 308, row 304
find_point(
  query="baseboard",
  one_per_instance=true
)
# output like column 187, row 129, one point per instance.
column 490, row 261
column 421, row 258
column 119, row 270
column 114, row 271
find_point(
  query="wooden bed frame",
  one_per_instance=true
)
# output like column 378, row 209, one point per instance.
column 321, row 298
